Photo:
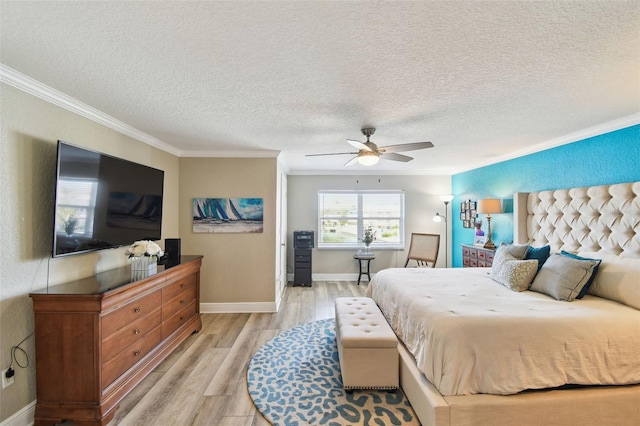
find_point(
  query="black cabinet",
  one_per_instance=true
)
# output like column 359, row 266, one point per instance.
column 302, row 269
column 302, row 243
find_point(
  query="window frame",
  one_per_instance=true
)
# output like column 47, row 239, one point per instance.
column 360, row 219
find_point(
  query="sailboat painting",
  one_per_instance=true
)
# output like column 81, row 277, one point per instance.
column 227, row 215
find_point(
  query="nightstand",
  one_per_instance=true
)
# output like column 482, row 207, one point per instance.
column 363, row 259
column 476, row 256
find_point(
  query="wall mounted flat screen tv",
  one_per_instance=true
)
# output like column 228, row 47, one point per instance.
column 103, row 201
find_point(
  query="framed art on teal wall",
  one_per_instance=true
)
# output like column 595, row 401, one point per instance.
column 468, row 213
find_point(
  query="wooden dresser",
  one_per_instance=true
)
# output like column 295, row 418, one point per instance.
column 476, row 256
column 98, row 337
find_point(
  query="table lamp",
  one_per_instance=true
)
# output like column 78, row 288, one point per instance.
column 489, row 206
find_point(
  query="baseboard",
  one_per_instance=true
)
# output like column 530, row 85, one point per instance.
column 24, row 417
column 237, row 308
column 330, row 277
column 251, row 307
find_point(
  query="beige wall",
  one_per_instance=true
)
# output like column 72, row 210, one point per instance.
column 30, row 128
column 421, row 204
column 237, row 268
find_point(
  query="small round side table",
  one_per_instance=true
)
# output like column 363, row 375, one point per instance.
column 362, row 258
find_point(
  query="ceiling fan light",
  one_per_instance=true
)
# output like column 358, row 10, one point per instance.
column 368, row 158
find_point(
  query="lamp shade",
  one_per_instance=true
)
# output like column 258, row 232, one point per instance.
column 489, row 206
column 446, row 198
column 368, row 158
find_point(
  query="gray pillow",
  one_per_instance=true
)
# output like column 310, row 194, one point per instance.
column 515, row 274
column 563, row 277
column 515, row 250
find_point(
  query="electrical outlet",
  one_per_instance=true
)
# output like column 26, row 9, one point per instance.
column 7, row 381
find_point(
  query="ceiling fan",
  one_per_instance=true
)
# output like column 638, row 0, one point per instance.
column 369, row 154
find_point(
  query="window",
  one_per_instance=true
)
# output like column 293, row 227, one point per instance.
column 343, row 215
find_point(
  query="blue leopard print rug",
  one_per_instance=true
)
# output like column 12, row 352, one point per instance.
column 294, row 380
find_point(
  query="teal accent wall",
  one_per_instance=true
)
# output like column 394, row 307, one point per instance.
column 605, row 159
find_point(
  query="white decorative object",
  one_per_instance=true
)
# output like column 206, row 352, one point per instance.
column 143, row 267
column 144, row 259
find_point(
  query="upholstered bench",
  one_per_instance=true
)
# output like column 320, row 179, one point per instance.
column 367, row 346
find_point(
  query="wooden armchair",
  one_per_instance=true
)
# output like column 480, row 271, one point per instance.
column 424, row 249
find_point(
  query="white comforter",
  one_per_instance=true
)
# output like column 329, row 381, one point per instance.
column 471, row 335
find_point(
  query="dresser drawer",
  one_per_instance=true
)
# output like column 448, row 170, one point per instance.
column 178, row 286
column 178, row 302
column 477, row 257
column 171, row 324
column 473, row 253
column 129, row 334
column 116, row 320
column 129, row 356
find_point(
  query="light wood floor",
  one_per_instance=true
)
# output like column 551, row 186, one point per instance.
column 203, row 382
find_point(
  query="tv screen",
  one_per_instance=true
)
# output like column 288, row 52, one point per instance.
column 103, row 201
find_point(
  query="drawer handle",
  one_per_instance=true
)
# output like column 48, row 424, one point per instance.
column 182, row 302
column 136, row 310
column 182, row 285
column 136, row 353
column 181, row 318
column 136, row 331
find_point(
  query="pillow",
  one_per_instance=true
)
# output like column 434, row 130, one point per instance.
column 563, row 277
column 540, row 254
column 515, row 274
column 515, row 250
column 617, row 279
column 595, row 270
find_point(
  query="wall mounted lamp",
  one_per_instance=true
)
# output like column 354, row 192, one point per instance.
column 446, row 199
column 489, row 206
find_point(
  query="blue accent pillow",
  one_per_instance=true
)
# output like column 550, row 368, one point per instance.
column 540, row 254
column 595, row 270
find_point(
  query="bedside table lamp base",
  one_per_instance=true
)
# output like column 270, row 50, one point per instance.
column 489, row 244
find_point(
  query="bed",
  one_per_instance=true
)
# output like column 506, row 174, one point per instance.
column 478, row 352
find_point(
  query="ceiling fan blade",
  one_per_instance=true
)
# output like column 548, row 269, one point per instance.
column 406, row 147
column 359, row 145
column 351, row 162
column 333, row 153
column 395, row 157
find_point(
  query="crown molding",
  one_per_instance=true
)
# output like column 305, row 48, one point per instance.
column 231, row 154
column 375, row 172
column 35, row 88
column 601, row 129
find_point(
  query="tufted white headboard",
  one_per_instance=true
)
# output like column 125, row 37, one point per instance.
column 602, row 218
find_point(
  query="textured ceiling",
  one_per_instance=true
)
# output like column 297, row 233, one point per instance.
column 481, row 80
